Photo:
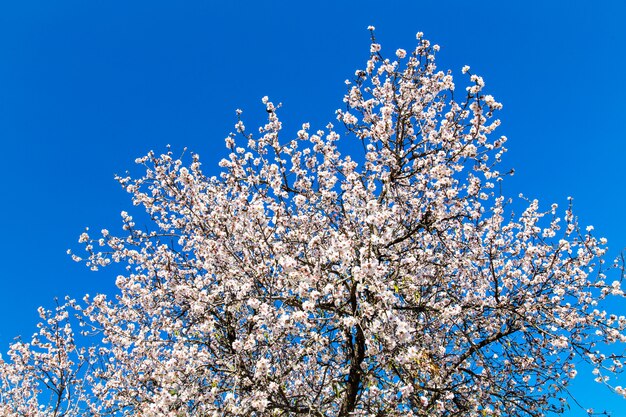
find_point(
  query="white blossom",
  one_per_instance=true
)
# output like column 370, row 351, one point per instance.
column 393, row 281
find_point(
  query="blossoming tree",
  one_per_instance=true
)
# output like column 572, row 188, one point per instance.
column 303, row 282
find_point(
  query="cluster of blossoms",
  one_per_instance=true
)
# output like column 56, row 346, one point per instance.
column 395, row 282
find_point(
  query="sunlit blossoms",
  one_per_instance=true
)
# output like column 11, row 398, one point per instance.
column 395, row 281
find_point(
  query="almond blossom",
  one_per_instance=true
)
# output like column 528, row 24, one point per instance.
column 394, row 281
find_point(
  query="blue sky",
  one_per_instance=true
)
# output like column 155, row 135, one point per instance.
column 87, row 86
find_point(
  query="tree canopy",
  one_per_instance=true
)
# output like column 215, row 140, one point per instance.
column 394, row 281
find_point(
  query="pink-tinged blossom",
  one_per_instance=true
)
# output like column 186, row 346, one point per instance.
column 396, row 281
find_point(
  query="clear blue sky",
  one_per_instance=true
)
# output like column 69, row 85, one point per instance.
column 87, row 86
